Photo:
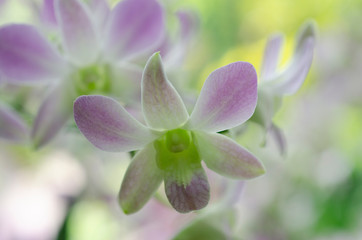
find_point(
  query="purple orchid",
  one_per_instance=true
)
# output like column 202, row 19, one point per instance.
column 173, row 143
column 276, row 83
column 95, row 44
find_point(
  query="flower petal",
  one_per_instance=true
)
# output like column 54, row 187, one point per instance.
column 279, row 138
column 265, row 109
column 227, row 99
column 292, row 78
column 162, row 105
column 12, row 127
column 54, row 112
column 78, row 32
column 134, row 26
column 108, row 126
column 141, row 181
column 48, row 13
column 189, row 196
column 101, row 11
column 271, row 57
column 226, row 157
column 26, row 57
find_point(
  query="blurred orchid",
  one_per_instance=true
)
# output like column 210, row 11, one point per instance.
column 275, row 84
column 95, row 44
column 174, row 143
column 12, row 126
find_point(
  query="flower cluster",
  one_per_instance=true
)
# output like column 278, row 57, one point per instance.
column 92, row 61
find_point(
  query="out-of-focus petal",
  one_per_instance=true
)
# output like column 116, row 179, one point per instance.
column 265, row 109
column 189, row 196
column 288, row 81
column 279, row 138
column 125, row 82
column 78, row 31
column 54, row 112
column 48, row 13
column 108, row 126
column 12, row 126
column 271, row 57
column 173, row 51
column 189, row 23
column 294, row 75
column 26, row 57
column 162, row 105
column 101, row 11
column 226, row 157
column 307, row 30
column 134, row 26
column 227, row 99
column 141, row 181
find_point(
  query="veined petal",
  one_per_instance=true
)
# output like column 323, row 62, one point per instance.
column 271, row 57
column 54, row 112
column 108, row 126
column 161, row 104
column 226, row 157
column 12, row 127
column 26, row 57
column 187, row 196
column 141, row 181
column 134, row 26
column 78, row 32
column 227, row 99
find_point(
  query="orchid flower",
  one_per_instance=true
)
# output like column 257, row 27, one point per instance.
column 89, row 58
column 173, row 143
column 12, row 126
column 275, row 84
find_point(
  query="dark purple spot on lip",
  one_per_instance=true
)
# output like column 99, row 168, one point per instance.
column 188, row 198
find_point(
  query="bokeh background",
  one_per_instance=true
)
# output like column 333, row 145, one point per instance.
column 68, row 189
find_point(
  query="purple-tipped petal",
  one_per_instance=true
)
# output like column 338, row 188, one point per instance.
column 227, row 99
column 26, row 57
column 226, row 157
column 134, row 26
column 190, row 196
column 162, row 105
column 173, row 51
column 48, row 13
column 293, row 77
column 78, row 31
column 54, row 112
column 108, row 126
column 271, row 57
column 141, row 181
column 12, row 127
column 288, row 81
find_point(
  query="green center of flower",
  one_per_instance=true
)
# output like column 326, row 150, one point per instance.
column 177, row 140
column 176, row 150
column 93, row 79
